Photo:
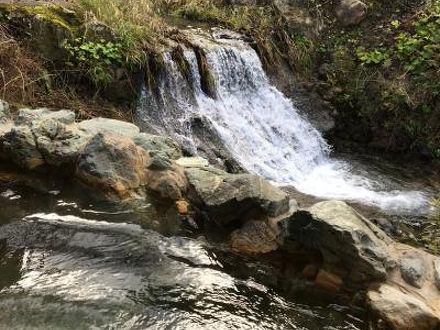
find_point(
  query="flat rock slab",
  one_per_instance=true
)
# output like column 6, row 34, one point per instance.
column 97, row 125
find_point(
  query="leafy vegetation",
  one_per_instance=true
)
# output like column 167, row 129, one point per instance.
column 390, row 80
column 95, row 57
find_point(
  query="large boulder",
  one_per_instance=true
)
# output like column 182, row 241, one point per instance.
column 402, row 311
column 349, row 243
column 113, row 164
column 228, row 197
column 351, row 12
column 42, row 137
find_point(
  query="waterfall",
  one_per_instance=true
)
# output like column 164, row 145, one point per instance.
column 260, row 127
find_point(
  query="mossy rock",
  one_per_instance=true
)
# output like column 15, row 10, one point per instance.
column 42, row 27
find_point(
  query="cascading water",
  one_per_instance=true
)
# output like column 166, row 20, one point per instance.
column 260, row 127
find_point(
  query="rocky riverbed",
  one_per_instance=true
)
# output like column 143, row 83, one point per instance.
column 342, row 251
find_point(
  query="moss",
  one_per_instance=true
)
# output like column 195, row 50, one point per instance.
column 207, row 79
column 52, row 14
column 154, row 68
column 182, row 64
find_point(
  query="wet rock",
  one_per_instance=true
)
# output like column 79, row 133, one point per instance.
column 19, row 146
column 168, row 184
column 101, row 125
column 112, row 164
column 328, row 281
column 346, row 240
column 228, row 197
column 351, row 12
column 402, row 311
column 412, row 268
column 158, row 145
column 254, row 237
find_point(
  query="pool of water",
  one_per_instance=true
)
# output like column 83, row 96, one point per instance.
column 69, row 262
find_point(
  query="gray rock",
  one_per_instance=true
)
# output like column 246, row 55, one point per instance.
column 412, row 268
column 345, row 239
column 29, row 116
column 401, row 310
column 59, row 144
column 113, row 164
column 351, row 12
column 101, row 125
column 160, row 163
column 19, row 146
column 155, row 144
column 228, row 197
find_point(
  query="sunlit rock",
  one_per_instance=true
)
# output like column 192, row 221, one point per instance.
column 113, row 164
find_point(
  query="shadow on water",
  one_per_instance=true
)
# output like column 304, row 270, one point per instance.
column 69, row 262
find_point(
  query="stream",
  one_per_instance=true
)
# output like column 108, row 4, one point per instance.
column 69, row 263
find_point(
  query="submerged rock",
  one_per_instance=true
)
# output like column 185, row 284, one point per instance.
column 113, row 164
column 228, row 197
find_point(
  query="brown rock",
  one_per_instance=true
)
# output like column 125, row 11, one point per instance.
column 401, row 310
column 168, row 184
column 328, row 281
column 254, row 237
column 182, row 207
column 113, row 164
column 310, row 271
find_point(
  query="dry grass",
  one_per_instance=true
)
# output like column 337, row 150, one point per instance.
column 22, row 77
column 26, row 80
column 137, row 24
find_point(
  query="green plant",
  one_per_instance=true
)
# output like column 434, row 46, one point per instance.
column 376, row 56
column 96, row 58
column 419, row 49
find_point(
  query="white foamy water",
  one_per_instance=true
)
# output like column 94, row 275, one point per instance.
column 263, row 130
